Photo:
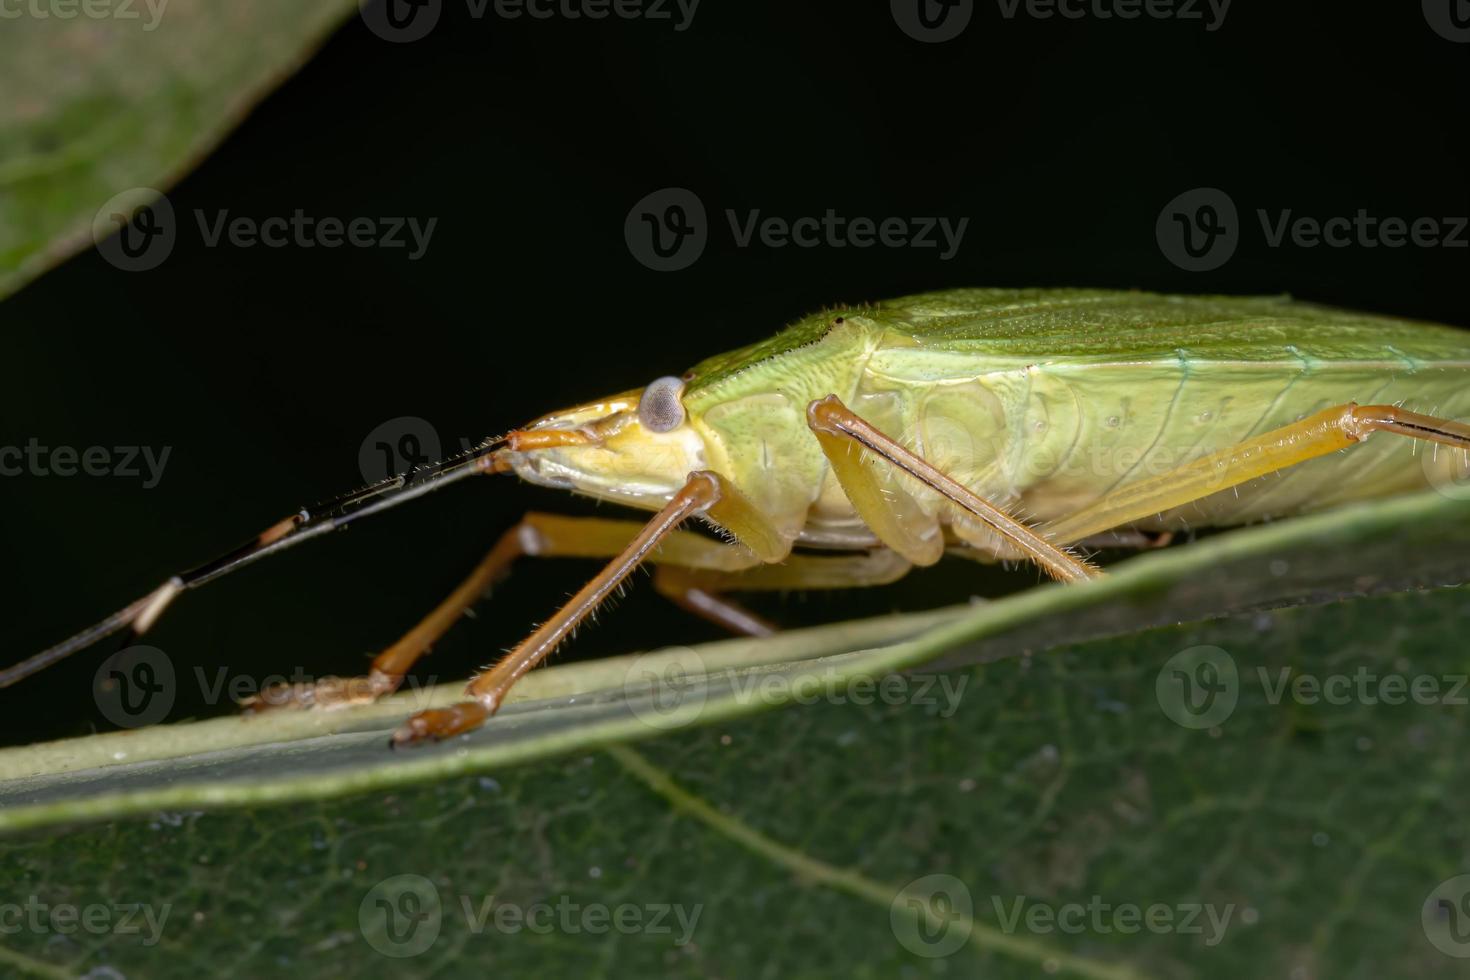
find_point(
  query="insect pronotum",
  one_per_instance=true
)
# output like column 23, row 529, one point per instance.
column 859, row 442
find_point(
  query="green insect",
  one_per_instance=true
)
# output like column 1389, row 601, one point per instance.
column 860, row 442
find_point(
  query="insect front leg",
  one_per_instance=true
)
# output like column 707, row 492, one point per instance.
column 706, row 494
column 535, row 535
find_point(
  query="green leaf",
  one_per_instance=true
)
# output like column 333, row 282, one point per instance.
column 1058, row 775
column 131, row 97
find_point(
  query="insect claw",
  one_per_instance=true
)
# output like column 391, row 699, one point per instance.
column 438, row 724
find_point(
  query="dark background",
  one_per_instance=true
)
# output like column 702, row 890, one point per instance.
column 266, row 369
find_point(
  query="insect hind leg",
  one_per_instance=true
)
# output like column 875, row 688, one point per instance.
column 1328, row 431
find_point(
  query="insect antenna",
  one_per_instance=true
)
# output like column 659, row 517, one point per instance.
column 310, row 522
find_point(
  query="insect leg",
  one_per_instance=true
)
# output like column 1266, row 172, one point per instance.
column 535, row 535
column 681, row 587
column 1317, row 435
column 1122, row 539
column 844, row 435
column 706, row 494
column 1118, row 538
column 700, row 589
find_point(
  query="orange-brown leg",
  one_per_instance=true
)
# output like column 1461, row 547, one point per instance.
column 705, row 494
column 1119, row 539
column 535, row 535
column 1317, row 435
column 680, row 587
column 844, row 436
column 701, row 589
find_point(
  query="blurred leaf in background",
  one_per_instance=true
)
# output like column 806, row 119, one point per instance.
column 130, row 96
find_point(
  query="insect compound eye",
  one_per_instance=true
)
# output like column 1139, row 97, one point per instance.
column 660, row 409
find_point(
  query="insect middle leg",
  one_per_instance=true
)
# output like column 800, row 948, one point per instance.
column 701, row 590
column 535, row 535
column 844, row 436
